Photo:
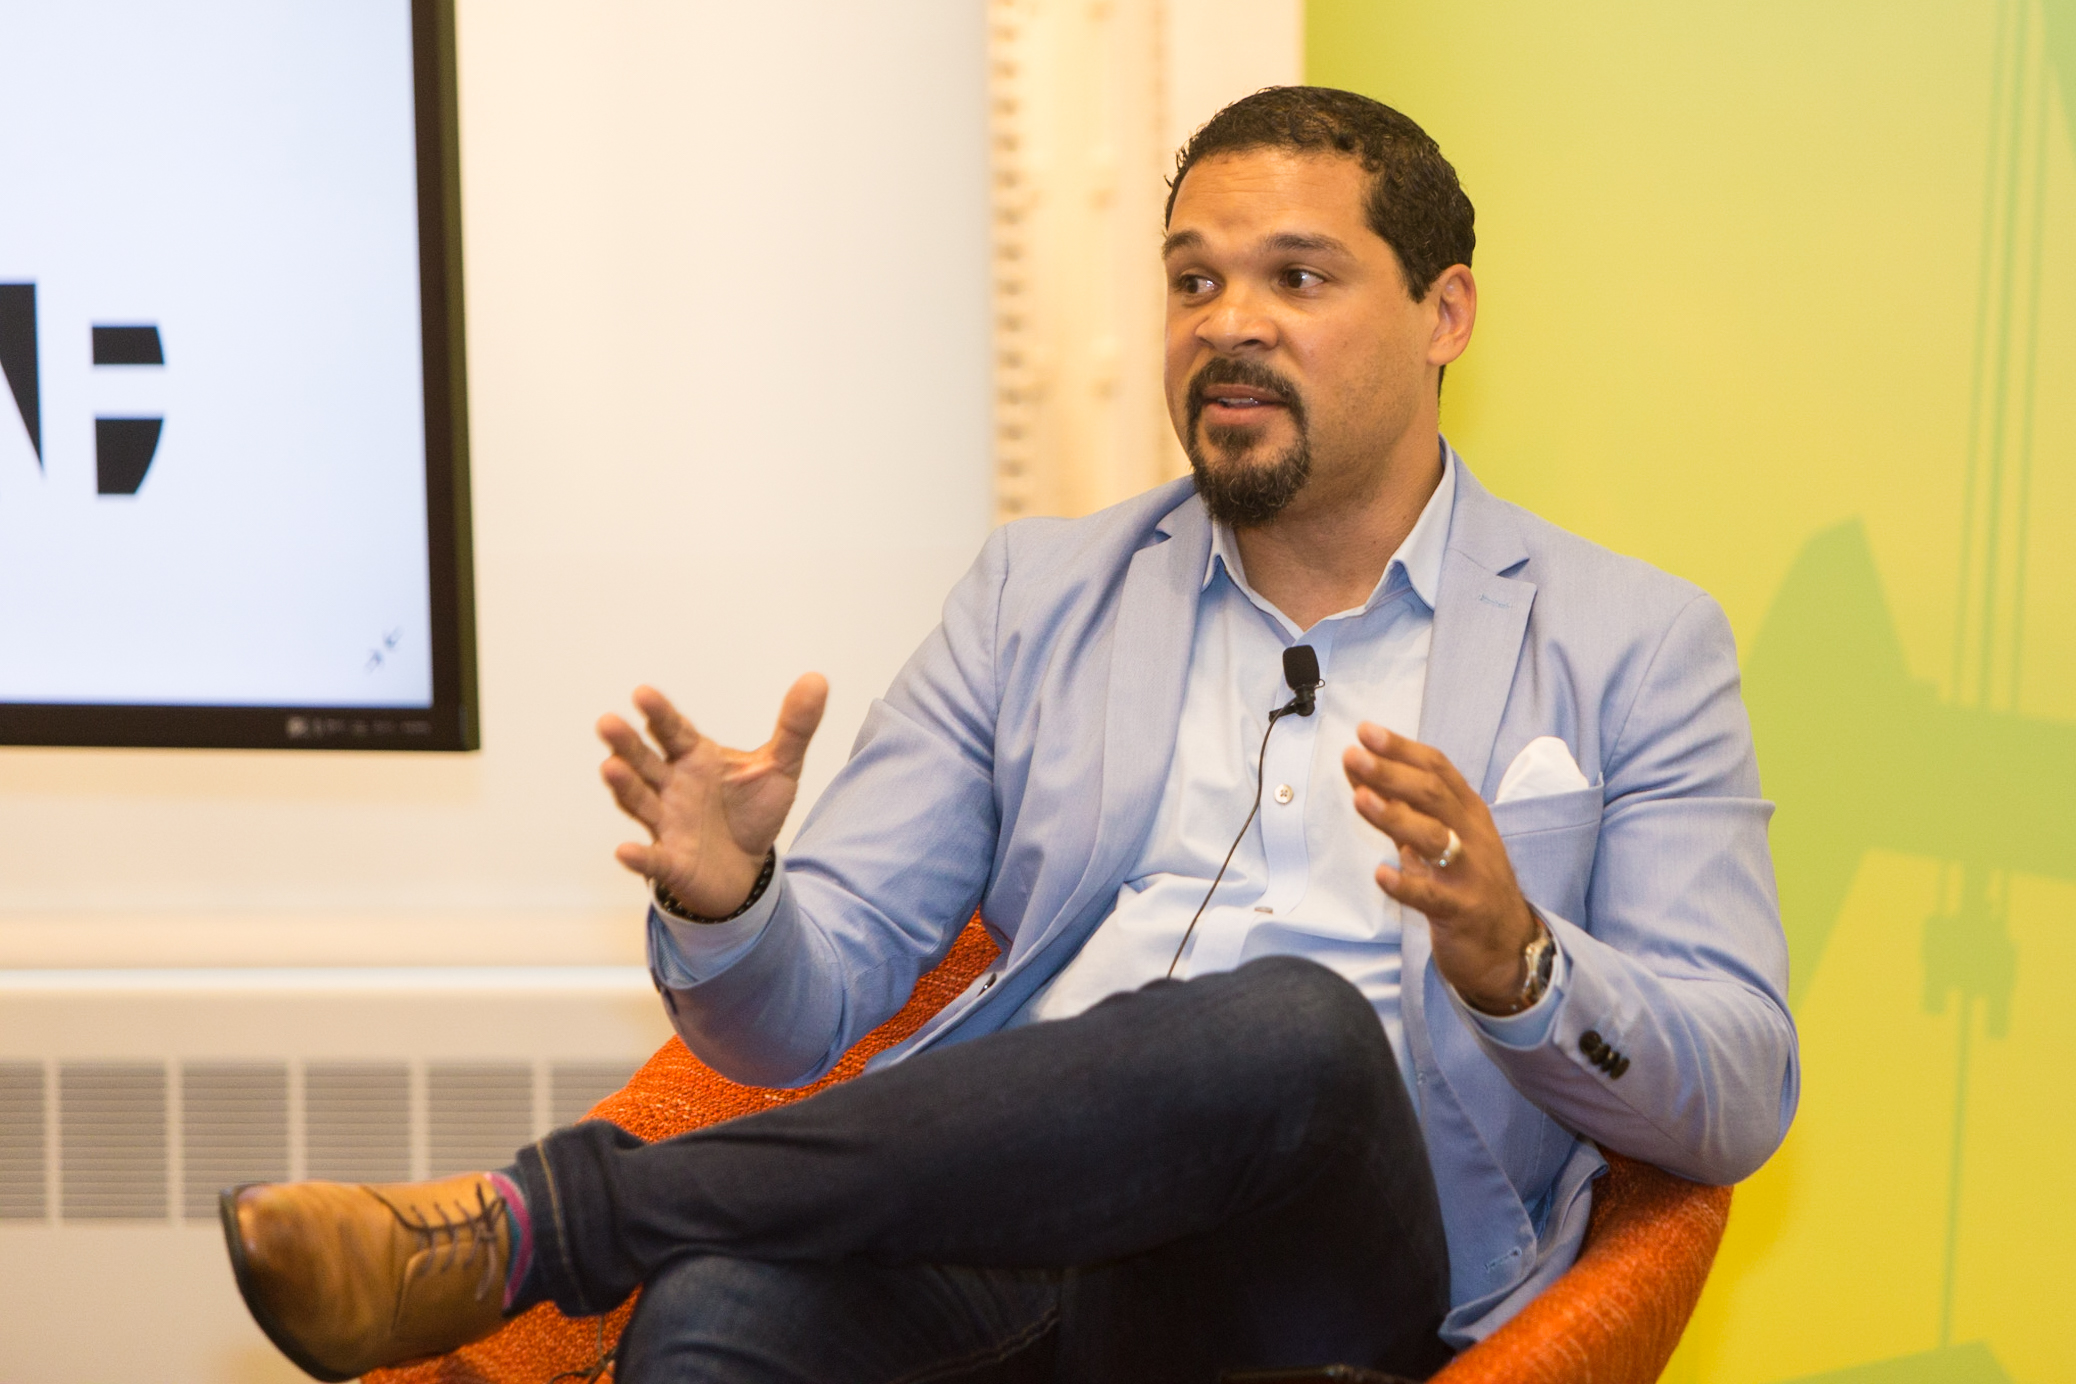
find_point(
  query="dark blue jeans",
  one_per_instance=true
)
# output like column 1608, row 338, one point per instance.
column 1216, row 1174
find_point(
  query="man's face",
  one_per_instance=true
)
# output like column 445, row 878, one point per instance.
column 1295, row 356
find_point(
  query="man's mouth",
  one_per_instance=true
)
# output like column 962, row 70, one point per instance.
column 1239, row 400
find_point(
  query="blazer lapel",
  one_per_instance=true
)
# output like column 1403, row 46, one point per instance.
column 1480, row 619
column 1151, row 639
column 1151, row 642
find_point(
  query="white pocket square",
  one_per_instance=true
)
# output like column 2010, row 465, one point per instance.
column 1543, row 767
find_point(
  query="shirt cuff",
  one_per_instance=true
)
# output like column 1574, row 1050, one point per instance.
column 683, row 953
column 1531, row 1027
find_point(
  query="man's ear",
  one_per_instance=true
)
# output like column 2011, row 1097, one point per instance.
column 1454, row 294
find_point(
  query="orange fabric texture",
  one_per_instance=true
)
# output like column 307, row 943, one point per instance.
column 1615, row 1316
column 1613, row 1319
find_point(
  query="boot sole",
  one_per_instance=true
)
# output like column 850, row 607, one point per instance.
column 234, row 1240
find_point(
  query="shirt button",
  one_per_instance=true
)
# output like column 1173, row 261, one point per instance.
column 1284, row 793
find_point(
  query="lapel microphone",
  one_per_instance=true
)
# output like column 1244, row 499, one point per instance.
column 1301, row 673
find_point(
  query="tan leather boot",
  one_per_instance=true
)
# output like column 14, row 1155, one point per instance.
column 346, row 1278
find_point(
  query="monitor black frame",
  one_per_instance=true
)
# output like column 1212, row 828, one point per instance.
column 451, row 722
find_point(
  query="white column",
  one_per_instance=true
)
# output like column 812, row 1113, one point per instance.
column 1089, row 101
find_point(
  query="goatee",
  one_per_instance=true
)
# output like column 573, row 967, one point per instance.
column 1242, row 491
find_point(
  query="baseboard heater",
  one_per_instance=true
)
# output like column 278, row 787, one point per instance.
column 129, row 1098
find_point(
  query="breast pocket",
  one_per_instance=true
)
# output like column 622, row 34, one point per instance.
column 1551, row 840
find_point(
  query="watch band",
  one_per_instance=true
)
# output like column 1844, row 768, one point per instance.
column 1540, row 956
column 669, row 903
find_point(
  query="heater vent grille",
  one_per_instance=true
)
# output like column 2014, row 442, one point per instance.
column 112, row 1133
column 359, row 1121
column 477, row 1115
column 234, row 1128
column 130, row 1141
column 21, row 1142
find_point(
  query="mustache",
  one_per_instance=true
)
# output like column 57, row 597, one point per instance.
column 1248, row 373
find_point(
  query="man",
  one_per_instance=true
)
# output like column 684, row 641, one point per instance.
column 1360, row 1123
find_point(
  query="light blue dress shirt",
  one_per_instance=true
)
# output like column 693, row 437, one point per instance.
column 1302, row 881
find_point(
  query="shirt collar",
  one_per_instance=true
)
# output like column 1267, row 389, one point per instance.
column 1417, row 563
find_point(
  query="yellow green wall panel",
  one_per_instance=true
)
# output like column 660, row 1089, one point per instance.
column 1782, row 297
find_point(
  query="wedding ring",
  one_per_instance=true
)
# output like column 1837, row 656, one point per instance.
column 1449, row 852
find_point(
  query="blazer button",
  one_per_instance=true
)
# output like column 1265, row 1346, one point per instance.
column 1590, row 1043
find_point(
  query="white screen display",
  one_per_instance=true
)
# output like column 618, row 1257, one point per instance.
column 231, row 187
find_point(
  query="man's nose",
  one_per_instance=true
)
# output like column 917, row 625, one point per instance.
column 1238, row 323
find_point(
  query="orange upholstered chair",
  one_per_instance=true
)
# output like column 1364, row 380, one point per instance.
column 1612, row 1319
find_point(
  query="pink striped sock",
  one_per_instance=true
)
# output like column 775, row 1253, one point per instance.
column 522, row 1234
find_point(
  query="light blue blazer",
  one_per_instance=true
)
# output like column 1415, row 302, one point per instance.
column 1016, row 763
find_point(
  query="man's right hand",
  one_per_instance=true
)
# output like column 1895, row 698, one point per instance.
column 712, row 812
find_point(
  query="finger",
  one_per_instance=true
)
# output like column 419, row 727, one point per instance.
column 1413, row 832
column 1404, row 749
column 1390, row 779
column 799, row 715
column 1421, row 893
column 636, row 798
column 670, row 729
column 1452, row 780
column 643, row 860
column 629, row 747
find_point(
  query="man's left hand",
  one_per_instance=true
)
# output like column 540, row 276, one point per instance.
column 1480, row 922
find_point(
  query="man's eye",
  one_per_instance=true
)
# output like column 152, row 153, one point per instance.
column 1191, row 285
column 1301, row 278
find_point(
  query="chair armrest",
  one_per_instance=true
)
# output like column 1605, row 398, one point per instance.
column 1615, row 1315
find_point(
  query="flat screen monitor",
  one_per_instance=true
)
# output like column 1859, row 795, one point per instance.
column 233, row 451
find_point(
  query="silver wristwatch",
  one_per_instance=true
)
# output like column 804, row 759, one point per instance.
column 1540, row 956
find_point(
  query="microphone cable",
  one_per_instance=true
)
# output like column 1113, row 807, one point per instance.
column 1301, row 673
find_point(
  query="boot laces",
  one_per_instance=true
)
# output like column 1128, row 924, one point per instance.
column 461, row 1236
column 604, row 1367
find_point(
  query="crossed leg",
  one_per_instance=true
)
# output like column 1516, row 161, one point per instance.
column 1197, row 1176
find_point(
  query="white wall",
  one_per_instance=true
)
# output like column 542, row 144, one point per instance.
column 728, row 337
column 1217, row 51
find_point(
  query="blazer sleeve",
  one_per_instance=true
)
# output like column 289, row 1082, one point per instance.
column 1672, row 1042
column 884, row 873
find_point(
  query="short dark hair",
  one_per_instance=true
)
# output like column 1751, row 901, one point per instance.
column 1415, row 202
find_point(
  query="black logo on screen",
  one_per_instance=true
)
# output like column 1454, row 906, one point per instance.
column 18, row 357
column 123, row 447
